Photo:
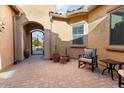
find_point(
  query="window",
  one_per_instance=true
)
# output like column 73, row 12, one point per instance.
column 78, row 31
column 117, row 27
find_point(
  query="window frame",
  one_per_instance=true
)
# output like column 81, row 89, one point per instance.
column 117, row 48
column 78, row 45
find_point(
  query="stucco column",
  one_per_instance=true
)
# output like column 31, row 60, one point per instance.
column 28, row 40
column 20, row 44
column 15, row 43
column 46, row 44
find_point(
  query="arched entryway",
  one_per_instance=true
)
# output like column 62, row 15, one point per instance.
column 29, row 28
column 37, row 42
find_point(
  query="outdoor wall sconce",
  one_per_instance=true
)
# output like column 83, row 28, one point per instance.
column 2, row 26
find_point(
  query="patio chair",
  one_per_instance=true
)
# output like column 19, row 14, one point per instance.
column 88, row 57
column 121, row 75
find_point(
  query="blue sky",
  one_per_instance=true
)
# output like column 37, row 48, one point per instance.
column 64, row 8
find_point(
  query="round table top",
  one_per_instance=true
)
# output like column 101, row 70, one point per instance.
column 121, row 72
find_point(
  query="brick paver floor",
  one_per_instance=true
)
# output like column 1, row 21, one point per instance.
column 38, row 73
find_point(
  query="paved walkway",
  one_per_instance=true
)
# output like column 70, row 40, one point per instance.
column 34, row 72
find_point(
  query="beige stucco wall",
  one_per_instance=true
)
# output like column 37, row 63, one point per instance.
column 20, row 37
column 76, row 50
column 39, row 14
column 62, row 29
column 98, row 36
column 96, row 31
column 6, row 37
column 61, row 33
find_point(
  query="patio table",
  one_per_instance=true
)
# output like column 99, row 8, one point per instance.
column 110, row 66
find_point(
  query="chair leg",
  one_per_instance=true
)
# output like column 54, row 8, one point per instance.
column 119, row 81
column 78, row 64
column 92, row 67
column 96, row 64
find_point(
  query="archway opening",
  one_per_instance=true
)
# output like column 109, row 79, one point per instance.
column 34, row 33
column 37, row 42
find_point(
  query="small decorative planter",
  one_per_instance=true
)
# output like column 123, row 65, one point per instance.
column 56, row 57
column 62, row 60
column 67, row 58
column 26, row 53
column 2, row 26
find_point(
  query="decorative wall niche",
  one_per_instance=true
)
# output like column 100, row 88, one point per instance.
column 2, row 26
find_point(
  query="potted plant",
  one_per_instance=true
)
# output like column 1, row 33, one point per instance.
column 26, row 53
column 56, row 55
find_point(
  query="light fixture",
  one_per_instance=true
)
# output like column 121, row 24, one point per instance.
column 2, row 26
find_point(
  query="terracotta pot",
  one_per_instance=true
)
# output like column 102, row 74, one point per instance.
column 26, row 53
column 67, row 58
column 56, row 57
column 62, row 59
